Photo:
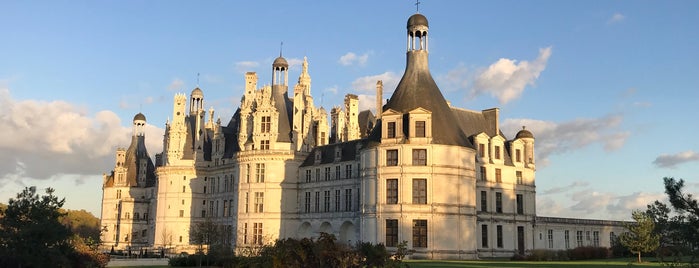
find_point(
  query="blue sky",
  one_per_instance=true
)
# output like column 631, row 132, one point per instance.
column 610, row 89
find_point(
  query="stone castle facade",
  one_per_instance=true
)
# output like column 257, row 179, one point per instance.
column 444, row 179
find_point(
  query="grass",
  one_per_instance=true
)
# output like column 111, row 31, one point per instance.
column 524, row 264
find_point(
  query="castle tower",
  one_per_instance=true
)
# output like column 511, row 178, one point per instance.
column 352, row 117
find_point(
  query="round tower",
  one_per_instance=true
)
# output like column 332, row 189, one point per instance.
column 139, row 125
column 528, row 138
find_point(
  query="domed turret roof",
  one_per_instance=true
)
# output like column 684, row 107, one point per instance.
column 524, row 134
column 139, row 116
column 280, row 62
column 417, row 20
column 197, row 93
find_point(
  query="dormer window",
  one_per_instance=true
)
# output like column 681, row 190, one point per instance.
column 420, row 129
column 481, row 150
column 391, row 130
column 518, row 155
column 266, row 124
column 497, row 152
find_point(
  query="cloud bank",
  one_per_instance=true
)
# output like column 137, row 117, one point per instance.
column 42, row 139
column 552, row 137
column 672, row 160
column 353, row 59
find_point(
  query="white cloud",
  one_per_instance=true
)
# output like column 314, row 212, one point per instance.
column 176, row 84
column 552, row 137
column 563, row 189
column 672, row 160
column 368, row 83
column 350, row 58
column 332, row 89
column 506, row 78
column 246, row 66
column 616, row 17
column 294, row 62
column 367, row 102
column 44, row 139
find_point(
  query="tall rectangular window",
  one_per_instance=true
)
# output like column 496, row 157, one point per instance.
column 181, row 213
column 484, row 201
column 257, row 233
column 391, row 157
column 550, row 238
column 260, row 172
column 327, row 173
column 498, row 202
column 484, row 236
column 307, row 202
column 245, row 233
column 420, row 233
column 481, row 150
column 419, row 191
column 259, row 202
column 247, row 175
column 337, row 200
column 518, row 155
column 419, row 157
column 499, row 236
column 317, row 174
column 391, row 233
column 497, row 152
column 498, row 175
column 348, row 171
column 595, row 238
column 225, row 208
column 612, row 237
column 391, row 129
column 484, row 175
column 317, row 202
column 566, row 238
column 579, row 238
column 247, row 202
column 348, row 199
column 308, row 175
column 337, row 172
column 519, row 177
column 520, row 204
column 266, row 125
column 118, row 194
column 326, row 201
column 392, row 191
column 419, row 128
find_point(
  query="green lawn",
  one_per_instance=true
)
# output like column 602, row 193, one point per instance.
column 524, row 264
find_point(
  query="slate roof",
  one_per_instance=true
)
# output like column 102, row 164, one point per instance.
column 349, row 152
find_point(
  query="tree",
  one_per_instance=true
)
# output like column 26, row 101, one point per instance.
column 685, row 224
column 31, row 234
column 640, row 237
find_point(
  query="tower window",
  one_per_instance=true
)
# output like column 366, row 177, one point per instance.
column 419, row 191
column 420, row 129
column 391, row 130
column 392, row 191
column 420, row 233
column 391, row 157
column 266, row 124
column 419, row 157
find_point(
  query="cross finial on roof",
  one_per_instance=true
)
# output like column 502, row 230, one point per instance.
column 417, row 6
column 281, row 47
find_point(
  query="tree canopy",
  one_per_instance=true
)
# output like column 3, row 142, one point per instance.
column 641, row 236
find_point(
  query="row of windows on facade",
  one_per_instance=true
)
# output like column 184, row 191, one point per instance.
column 419, row 129
column 144, row 234
column 483, row 176
column 497, row 153
column 519, row 200
column 338, row 204
column 136, row 216
column 419, row 233
column 327, row 174
column 257, row 238
column 419, row 157
column 258, row 206
column 578, row 238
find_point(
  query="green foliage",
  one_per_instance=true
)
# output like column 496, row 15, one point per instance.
column 30, row 227
column 32, row 235
column 640, row 236
column 323, row 252
column 681, row 232
column 83, row 224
